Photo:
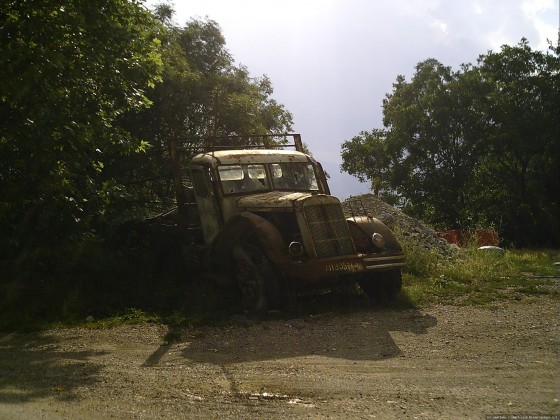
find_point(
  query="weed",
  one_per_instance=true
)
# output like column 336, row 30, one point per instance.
column 474, row 276
column 130, row 316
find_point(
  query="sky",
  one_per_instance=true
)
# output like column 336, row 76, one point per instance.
column 331, row 62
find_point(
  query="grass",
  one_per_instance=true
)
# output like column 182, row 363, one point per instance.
column 130, row 316
column 473, row 276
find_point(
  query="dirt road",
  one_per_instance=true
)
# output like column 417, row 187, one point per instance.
column 443, row 362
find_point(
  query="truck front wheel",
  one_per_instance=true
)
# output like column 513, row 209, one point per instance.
column 256, row 278
column 382, row 287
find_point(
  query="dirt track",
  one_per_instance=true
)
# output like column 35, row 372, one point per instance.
column 440, row 362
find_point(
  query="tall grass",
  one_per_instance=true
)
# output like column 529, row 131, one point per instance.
column 473, row 276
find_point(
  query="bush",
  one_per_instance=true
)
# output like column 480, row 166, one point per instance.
column 91, row 278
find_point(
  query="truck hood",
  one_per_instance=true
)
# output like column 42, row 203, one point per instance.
column 282, row 199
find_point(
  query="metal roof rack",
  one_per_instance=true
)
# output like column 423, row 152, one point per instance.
column 212, row 144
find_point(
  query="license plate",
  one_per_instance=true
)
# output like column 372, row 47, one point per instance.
column 348, row 267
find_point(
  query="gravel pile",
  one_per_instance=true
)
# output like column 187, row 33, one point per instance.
column 403, row 225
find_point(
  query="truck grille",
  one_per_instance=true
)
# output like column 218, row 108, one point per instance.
column 329, row 230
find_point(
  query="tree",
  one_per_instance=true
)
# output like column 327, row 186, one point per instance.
column 473, row 147
column 428, row 147
column 366, row 157
column 521, row 169
column 203, row 94
column 69, row 70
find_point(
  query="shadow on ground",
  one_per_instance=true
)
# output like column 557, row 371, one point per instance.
column 327, row 325
column 33, row 366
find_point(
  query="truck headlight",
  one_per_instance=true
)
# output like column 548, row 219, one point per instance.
column 295, row 249
column 378, row 240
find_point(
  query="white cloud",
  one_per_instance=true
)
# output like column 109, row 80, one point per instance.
column 534, row 11
column 498, row 38
column 257, row 13
column 533, row 7
column 438, row 24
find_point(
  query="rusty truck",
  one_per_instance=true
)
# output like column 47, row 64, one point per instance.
column 262, row 217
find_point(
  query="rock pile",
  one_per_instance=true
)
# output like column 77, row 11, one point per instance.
column 404, row 226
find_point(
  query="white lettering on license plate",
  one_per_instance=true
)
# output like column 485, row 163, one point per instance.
column 351, row 267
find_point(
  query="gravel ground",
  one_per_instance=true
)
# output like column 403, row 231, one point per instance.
column 444, row 362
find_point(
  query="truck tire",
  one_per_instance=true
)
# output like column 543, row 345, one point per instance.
column 382, row 287
column 256, row 278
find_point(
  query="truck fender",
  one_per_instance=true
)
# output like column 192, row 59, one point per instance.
column 241, row 228
column 363, row 227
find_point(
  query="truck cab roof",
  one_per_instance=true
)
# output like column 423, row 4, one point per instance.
column 233, row 157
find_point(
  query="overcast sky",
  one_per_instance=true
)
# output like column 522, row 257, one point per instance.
column 331, row 62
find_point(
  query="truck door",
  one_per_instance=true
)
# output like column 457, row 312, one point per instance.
column 210, row 220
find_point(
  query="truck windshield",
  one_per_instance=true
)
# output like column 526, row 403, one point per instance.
column 243, row 178
column 294, row 176
column 249, row 178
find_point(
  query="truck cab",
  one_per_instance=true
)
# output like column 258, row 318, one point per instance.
column 266, row 216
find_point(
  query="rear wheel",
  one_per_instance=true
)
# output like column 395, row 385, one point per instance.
column 382, row 287
column 256, row 278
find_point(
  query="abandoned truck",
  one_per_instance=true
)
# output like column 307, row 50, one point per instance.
column 263, row 217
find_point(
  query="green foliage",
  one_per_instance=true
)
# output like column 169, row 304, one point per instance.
column 69, row 71
column 366, row 156
column 522, row 168
column 476, row 147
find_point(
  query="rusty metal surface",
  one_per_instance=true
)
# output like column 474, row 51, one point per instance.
column 464, row 237
column 328, row 230
column 245, row 226
column 271, row 200
column 316, row 269
column 369, row 225
column 278, row 141
column 232, row 157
